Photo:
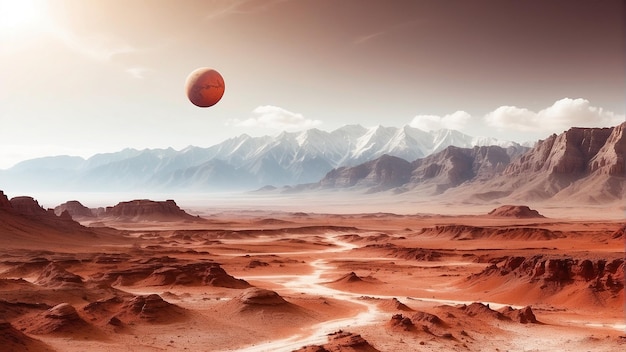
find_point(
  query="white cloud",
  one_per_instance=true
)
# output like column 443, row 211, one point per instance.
column 455, row 121
column 562, row 115
column 276, row 118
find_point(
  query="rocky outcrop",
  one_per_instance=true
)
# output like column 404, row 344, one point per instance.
column 145, row 209
column 398, row 321
column 515, row 211
column 75, row 209
column 25, row 205
column 481, row 310
column 523, row 316
column 600, row 274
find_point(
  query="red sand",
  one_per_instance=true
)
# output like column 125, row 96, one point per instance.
column 387, row 282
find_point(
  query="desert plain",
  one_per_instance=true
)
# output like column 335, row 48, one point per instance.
column 146, row 275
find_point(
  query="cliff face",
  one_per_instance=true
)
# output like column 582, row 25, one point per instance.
column 610, row 157
column 572, row 152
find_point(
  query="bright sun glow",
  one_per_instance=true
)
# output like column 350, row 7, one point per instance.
column 20, row 13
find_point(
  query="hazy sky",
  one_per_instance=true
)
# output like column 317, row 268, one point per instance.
column 82, row 77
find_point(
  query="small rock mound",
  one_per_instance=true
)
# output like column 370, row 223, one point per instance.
column 61, row 318
column 400, row 322
column 394, row 305
column 151, row 308
column 481, row 310
column 260, row 297
column 515, row 211
column 427, row 318
column 349, row 278
column 56, row 276
column 524, row 315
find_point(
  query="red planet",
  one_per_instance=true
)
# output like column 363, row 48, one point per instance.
column 205, row 87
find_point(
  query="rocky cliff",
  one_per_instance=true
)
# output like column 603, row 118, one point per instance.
column 568, row 153
column 27, row 206
column 610, row 157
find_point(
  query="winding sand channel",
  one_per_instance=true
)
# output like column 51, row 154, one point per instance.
column 313, row 284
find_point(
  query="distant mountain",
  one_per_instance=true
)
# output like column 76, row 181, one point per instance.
column 581, row 164
column 433, row 174
column 240, row 163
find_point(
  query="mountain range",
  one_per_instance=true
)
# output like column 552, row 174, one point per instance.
column 240, row 163
column 584, row 165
